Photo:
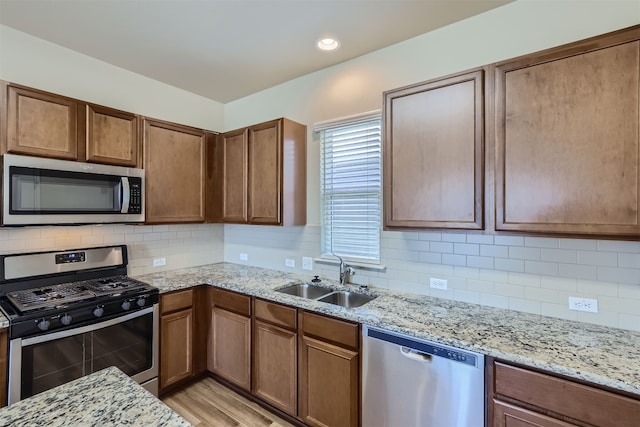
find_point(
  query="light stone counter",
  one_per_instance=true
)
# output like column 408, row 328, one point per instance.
column 4, row 322
column 105, row 398
column 601, row 355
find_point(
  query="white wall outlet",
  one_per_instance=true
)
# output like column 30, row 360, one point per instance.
column 159, row 262
column 290, row 262
column 583, row 304
column 307, row 263
column 244, row 257
column 438, row 283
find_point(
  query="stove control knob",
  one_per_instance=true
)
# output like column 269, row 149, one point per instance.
column 126, row 305
column 98, row 311
column 141, row 302
column 66, row 319
column 43, row 324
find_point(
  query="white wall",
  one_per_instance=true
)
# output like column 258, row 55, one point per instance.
column 36, row 63
column 522, row 273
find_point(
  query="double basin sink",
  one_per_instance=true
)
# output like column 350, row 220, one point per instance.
column 320, row 293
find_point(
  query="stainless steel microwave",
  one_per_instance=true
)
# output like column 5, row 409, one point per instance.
column 39, row 191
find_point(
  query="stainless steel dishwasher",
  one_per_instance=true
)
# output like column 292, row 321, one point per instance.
column 412, row 382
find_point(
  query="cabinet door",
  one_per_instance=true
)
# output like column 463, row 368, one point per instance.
column 329, row 384
column 174, row 163
column 506, row 415
column 568, row 153
column 234, row 197
column 265, row 173
column 176, row 344
column 112, row 136
column 230, row 347
column 275, row 365
column 433, row 154
column 41, row 124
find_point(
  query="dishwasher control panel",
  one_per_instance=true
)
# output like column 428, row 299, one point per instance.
column 422, row 347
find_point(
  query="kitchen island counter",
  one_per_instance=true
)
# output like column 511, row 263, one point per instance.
column 597, row 354
column 104, row 398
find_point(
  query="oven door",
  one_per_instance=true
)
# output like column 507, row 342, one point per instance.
column 129, row 342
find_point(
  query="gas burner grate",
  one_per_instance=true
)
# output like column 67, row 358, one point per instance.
column 48, row 296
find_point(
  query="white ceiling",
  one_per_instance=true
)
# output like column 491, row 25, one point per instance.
column 228, row 49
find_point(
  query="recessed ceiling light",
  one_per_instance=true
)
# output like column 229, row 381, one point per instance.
column 328, row 43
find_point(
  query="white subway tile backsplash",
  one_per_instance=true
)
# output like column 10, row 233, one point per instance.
column 541, row 242
column 466, row 249
column 480, row 262
column 483, row 239
column 559, row 255
column 442, row 247
column 538, row 267
column 494, row 251
column 587, row 245
column 609, row 259
column 532, row 274
column 509, row 264
column 629, row 321
column 518, row 252
column 509, row 240
column 588, row 272
column 454, row 260
column 629, row 260
column 630, row 276
column 454, row 237
column 618, row 246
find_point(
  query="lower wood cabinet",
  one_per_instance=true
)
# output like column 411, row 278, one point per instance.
column 229, row 354
column 176, row 337
column 275, row 363
column 519, row 397
column 329, row 370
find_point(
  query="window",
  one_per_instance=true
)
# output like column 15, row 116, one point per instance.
column 350, row 190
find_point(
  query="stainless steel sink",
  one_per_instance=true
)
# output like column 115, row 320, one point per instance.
column 347, row 299
column 305, row 290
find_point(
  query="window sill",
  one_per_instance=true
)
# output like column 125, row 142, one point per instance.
column 362, row 265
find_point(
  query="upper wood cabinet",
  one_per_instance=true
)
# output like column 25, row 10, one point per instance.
column 111, row 136
column 49, row 125
column 264, row 174
column 568, row 153
column 175, row 172
column 41, row 124
column 433, row 154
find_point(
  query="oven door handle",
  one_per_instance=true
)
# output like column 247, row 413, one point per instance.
column 89, row 328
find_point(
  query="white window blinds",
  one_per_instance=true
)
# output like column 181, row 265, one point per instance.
column 351, row 188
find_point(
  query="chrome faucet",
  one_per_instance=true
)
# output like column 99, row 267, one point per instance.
column 345, row 271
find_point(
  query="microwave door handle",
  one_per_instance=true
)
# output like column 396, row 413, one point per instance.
column 125, row 194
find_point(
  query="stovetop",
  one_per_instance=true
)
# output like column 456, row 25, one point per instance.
column 64, row 294
column 42, row 292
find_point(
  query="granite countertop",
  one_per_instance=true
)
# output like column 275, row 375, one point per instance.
column 4, row 322
column 105, row 398
column 598, row 354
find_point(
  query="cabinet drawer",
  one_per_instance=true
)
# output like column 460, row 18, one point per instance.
column 580, row 402
column 231, row 301
column 176, row 301
column 274, row 313
column 331, row 329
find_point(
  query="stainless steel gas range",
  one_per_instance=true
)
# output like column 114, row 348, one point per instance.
column 75, row 312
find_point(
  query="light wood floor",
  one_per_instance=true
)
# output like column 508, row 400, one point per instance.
column 208, row 403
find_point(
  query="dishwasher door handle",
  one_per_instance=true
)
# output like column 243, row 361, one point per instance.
column 415, row 354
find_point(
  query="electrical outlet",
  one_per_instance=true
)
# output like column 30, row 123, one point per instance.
column 159, row 262
column 290, row 262
column 583, row 304
column 307, row 263
column 438, row 283
column 244, row 257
